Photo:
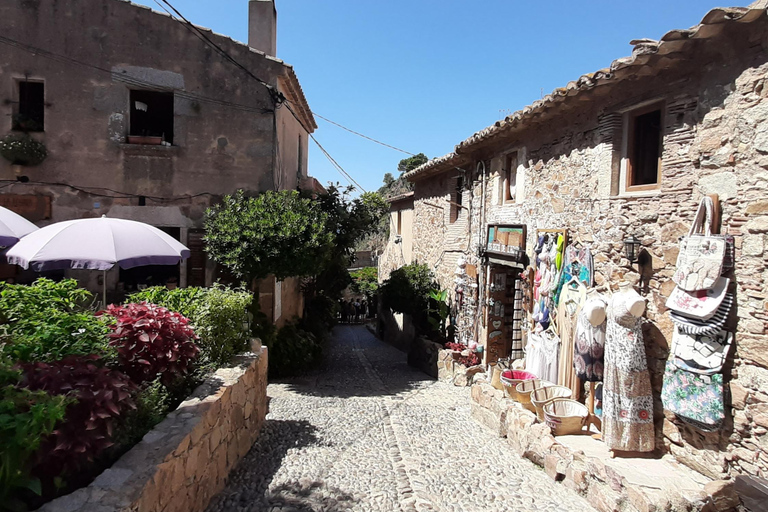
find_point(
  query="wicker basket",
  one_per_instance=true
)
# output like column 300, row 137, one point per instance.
column 565, row 416
column 524, row 389
column 511, row 378
column 545, row 395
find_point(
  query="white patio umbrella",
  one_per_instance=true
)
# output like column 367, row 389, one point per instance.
column 96, row 244
column 13, row 227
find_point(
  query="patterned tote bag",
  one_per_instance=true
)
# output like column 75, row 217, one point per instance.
column 700, row 262
column 695, row 399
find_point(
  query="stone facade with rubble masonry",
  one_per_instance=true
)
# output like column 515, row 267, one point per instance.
column 715, row 142
column 186, row 459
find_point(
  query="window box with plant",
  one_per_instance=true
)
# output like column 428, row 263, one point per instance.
column 22, row 149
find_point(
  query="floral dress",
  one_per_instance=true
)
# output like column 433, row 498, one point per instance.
column 627, row 396
column 589, row 346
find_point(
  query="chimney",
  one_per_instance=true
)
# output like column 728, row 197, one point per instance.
column 262, row 26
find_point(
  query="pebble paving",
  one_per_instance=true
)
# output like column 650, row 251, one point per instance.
column 365, row 432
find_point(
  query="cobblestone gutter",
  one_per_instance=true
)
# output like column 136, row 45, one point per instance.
column 644, row 485
column 186, row 459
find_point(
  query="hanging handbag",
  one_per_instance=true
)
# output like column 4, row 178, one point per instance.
column 701, row 354
column 695, row 399
column 702, row 304
column 702, row 254
column 712, row 325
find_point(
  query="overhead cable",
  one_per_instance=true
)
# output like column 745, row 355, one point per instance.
column 362, row 135
column 128, row 79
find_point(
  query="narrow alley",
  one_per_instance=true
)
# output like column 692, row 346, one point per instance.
column 366, row 432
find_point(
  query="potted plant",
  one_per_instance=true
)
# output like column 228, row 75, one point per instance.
column 22, row 149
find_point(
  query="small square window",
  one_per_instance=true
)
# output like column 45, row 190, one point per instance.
column 30, row 110
column 644, row 148
column 151, row 117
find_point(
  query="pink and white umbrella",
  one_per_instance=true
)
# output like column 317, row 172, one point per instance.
column 96, row 244
column 13, row 227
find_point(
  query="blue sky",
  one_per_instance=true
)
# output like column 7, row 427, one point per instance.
column 423, row 75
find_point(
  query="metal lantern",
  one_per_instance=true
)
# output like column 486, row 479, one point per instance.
column 632, row 248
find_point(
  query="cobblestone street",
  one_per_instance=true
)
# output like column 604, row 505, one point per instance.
column 366, row 432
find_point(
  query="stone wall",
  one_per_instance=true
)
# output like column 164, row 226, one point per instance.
column 643, row 485
column 715, row 142
column 186, row 459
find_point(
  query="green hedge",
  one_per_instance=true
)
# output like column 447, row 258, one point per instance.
column 47, row 321
column 219, row 316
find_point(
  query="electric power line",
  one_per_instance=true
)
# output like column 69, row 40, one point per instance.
column 191, row 26
column 362, row 135
column 338, row 167
column 116, row 194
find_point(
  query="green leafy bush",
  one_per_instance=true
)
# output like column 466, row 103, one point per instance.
column 292, row 350
column 219, row 316
column 407, row 289
column 279, row 233
column 152, row 341
column 26, row 419
column 102, row 397
column 22, row 149
column 48, row 321
column 153, row 403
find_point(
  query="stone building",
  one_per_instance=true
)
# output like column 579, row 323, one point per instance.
column 628, row 150
column 396, row 328
column 144, row 119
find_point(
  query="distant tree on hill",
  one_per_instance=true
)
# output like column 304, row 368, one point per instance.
column 409, row 164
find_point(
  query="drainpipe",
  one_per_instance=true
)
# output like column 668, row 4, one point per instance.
column 484, row 277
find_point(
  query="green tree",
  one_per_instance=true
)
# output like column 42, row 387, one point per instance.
column 365, row 281
column 279, row 233
column 348, row 222
column 388, row 179
column 409, row 164
column 408, row 290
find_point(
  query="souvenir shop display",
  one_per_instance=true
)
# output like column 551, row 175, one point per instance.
column 511, row 378
column 590, row 338
column 542, row 355
column 505, row 289
column 702, row 257
column 565, row 416
column 542, row 396
column 627, row 422
column 572, row 296
column 701, row 307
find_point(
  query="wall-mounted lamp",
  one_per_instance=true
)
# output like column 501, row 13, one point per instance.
column 632, row 248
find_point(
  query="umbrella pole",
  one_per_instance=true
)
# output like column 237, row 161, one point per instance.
column 104, row 288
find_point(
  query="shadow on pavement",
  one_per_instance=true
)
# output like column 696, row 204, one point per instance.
column 248, row 485
column 357, row 364
column 310, row 497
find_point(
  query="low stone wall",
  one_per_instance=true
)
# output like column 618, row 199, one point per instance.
column 423, row 355
column 602, row 481
column 185, row 460
column 450, row 370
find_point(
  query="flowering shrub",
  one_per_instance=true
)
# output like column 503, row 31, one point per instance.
column 102, row 396
column 22, row 149
column 471, row 360
column 152, row 341
column 218, row 315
